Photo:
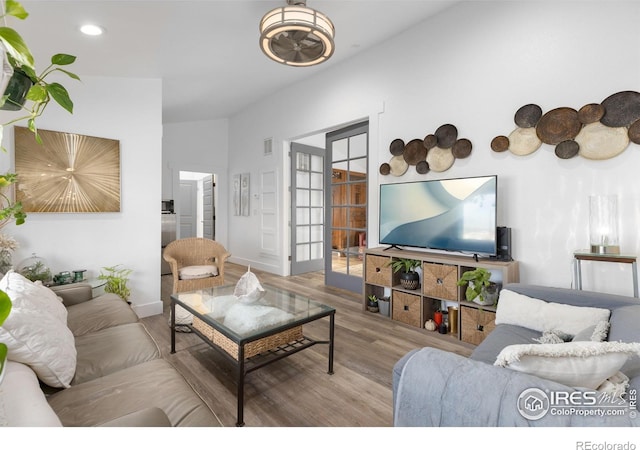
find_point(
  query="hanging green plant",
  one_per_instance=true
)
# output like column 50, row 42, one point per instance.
column 21, row 60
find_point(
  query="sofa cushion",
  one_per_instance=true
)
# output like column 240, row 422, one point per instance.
column 518, row 309
column 151, row 384
column 36, row 331
column 576, row 364
column 22, row 402
column 102, row 312
column 113, row 349
column 499, row 338
column 148, row 417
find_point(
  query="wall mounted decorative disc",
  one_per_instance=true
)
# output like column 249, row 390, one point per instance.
column 500, row 144
column 567, row 149
column 422, row 167
column 598, row 141
column 398, row 166
column 461, row 148
column 414, row 151
column 430, row 141
column 524, row 141
column 590, row 113
column 621, row 109
column 634, row 132
column 447, row 135
column 440, row 159
column 385, row 169
column 558, row 125
column 396, row 147
column 528, row 116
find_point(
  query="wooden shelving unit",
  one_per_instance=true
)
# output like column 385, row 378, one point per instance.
column 437, row 291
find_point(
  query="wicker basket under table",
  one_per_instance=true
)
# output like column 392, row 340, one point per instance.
column 252, row 348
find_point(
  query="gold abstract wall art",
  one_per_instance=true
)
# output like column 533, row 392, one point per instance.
column 67, row 173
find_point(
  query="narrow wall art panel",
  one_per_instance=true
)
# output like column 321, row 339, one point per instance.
column 67, row 173
column 244, row 194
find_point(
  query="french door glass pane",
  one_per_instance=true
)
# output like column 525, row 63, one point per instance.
column 302, row 197
column 302, row 252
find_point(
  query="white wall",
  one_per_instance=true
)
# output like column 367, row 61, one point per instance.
column 197, row 147
column 473, row 66
column 129, row 110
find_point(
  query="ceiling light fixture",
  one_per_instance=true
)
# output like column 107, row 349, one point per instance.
column 296, row 35
column 91, row 30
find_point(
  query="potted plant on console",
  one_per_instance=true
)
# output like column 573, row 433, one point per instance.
column 480, row 289
column 372, row 304
column 409, row 278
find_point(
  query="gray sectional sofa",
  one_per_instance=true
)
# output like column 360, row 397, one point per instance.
column 119, row 379
column 432, row 387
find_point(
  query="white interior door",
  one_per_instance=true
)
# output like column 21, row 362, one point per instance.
column 188, row 209
column 307, row 208
column 208, row 208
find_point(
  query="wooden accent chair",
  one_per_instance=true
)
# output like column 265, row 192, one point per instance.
column 196, row 263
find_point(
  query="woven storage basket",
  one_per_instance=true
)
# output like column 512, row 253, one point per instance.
column 378, row 271
column 476, row 324
column 252, row 348
column 440, row 281
column 407, row 308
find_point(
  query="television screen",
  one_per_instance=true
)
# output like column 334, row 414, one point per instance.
column 455, row 215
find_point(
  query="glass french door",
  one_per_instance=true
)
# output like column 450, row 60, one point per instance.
column 307, row 208
column 346, row 165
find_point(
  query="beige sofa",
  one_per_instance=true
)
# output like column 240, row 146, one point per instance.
column 118, row 379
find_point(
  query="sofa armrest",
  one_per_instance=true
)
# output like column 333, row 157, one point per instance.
column 432, row 387
column 74, row 293
column 148, row 417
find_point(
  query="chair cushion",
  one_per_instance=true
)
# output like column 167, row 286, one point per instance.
column 195, row 272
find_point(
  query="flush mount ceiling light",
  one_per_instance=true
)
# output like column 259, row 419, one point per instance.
column 296, row 35
column 91, row 30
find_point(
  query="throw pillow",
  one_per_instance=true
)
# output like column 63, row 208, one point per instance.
column 575, row 364
column 596, row 333
column 539, row 315
column 36, row 333
column 616, row 385
column 553, row 337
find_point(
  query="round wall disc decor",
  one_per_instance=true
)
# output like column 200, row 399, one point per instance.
column 396, row 147
column 440, row 159
column 558, row 125
column 398, row 166
column 414, row 151
column 598, row 141
column 524, row 141
column 528, row 116
column 447, row 135
column 500, row 144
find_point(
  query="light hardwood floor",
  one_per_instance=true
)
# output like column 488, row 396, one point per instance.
column 297, row 391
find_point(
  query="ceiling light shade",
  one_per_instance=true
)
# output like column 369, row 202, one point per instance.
column 296, row 35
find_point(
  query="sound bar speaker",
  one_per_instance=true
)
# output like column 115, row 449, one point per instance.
column 504, row 244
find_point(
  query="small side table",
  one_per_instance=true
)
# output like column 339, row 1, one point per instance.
column 578, row 257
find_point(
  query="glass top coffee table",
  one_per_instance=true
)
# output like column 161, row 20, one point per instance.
column 252, row 334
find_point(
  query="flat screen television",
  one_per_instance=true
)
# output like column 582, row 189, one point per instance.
column 456, row 215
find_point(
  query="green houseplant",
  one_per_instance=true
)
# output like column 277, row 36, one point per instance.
column 372, row 304
column 480, row 289
column 40, row 92
column 409, row 278
column 116, row 281
column 5, row 308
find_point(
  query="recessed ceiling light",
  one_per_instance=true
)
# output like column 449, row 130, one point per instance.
column 92, row 30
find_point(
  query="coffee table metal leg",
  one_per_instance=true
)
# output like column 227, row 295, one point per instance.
column 173, row 326
column 240, row 390
column 331, row 335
